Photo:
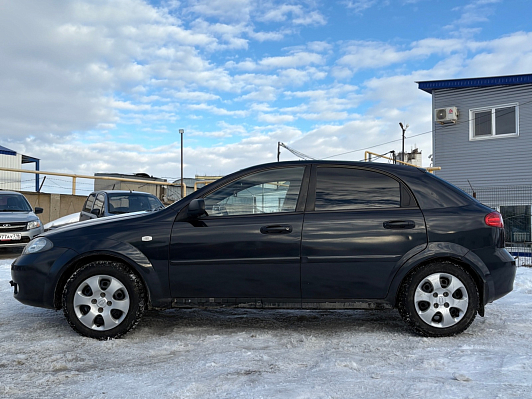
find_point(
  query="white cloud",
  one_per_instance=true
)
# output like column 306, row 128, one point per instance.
column 298, row 59
column 275, row 118
column 217, row 111
column 200, row 96
column 472, row 13
column 298, row 13
column 226, row 10
column 312, row 18
column 358, row 6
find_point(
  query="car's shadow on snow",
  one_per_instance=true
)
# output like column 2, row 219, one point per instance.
column 302, row 321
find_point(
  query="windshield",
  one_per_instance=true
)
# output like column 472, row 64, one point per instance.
column 125, row 203
column 14, row 203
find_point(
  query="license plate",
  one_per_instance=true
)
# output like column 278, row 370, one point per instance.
column 10, row 237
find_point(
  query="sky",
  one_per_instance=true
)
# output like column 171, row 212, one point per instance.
column 94, row 86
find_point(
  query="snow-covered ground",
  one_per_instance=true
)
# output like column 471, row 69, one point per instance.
column 267, row 354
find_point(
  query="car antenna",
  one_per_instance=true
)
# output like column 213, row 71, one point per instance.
column 472, row 189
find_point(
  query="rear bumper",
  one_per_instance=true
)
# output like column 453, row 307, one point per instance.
column 502, row 268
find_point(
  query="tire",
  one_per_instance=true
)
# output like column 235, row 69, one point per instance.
column 103, row 300
column 439, row 299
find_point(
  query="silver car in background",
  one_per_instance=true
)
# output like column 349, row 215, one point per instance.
column 18, row 222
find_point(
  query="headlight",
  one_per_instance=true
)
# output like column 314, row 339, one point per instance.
column 39, row 244
column 34, row 224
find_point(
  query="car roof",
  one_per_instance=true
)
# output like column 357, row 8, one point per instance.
column 392, row 168
column 122, row 192
column 10, row 192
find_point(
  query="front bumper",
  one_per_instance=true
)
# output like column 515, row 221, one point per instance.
column 35, row 276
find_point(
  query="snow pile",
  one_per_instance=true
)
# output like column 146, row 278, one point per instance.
column 267, row 354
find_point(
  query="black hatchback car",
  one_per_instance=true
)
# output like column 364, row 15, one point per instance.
column 297, row 235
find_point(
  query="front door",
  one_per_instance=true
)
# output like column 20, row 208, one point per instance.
column 248, row 247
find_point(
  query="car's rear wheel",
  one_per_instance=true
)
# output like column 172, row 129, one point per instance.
column 103, row 300
column 439, row 299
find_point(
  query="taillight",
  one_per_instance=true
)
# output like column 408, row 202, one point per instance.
column 494, row 219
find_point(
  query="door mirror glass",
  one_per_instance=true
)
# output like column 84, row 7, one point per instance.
column 96, row 212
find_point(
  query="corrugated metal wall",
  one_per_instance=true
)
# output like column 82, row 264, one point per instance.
column 493, row 162
column 10, row 180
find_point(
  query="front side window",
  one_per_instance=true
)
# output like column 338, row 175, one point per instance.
column 98, row 203
column 271, row 191
column 493, row 122
column 88, row 204
column 351, row 189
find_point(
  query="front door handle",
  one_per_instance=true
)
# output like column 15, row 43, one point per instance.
column 399, row 224
column 276, row 229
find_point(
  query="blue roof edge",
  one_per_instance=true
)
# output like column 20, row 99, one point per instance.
column 6, row 151
column 431, row 85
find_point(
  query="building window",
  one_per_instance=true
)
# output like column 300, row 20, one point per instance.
column 494, row 122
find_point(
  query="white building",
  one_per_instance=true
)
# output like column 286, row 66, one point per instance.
column 10, row 159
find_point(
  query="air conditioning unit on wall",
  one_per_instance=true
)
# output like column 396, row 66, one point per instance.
column 446, row 115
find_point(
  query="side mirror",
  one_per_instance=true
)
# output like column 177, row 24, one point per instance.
column 96, row 212
column 38, row 210
column 196, row 208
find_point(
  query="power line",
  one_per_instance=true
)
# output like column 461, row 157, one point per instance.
column 421, row 134
column 293, row 151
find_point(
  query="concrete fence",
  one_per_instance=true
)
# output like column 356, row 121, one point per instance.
column 55, row 205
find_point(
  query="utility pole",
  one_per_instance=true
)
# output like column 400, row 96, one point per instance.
column 278, row 150
column 404, row 130
column 181, row 131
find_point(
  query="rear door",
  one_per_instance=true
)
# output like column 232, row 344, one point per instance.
column 360, row 226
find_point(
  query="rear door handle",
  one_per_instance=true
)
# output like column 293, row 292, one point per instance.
column 276, row 229
column 399, row 224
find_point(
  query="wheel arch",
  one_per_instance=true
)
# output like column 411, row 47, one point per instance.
column 85, row 259
column 477, row 272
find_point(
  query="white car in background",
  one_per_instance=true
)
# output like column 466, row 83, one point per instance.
column 109, row 203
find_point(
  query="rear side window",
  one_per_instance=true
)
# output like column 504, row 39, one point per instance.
column 351, row 189
column 88, row 204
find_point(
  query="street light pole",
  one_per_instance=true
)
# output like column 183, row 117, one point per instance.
column 404, row 130
column 181, row 131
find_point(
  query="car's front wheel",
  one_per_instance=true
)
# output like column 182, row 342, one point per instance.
column 103, row 300
column 439, row 299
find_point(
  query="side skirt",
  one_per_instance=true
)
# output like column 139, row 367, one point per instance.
column 276, row 303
